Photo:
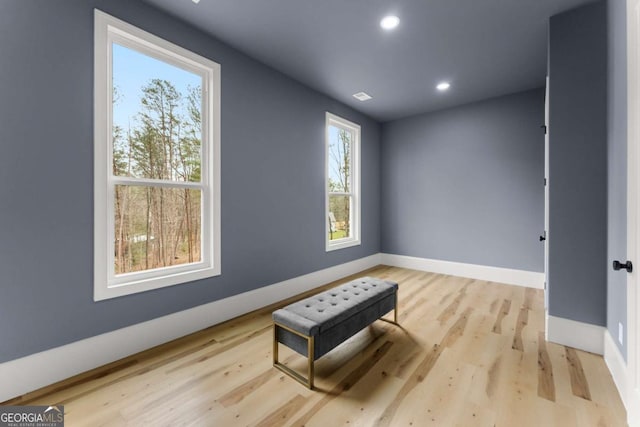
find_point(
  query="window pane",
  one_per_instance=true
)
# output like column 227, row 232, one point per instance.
column 339, row 173
column 157, row 118
column 156, row 227
column 339, row 217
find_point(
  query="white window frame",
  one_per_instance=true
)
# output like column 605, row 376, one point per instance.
column 107, row 284
column 354, row 212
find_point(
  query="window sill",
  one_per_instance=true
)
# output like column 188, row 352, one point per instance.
column 107, row 291
column 341, row 244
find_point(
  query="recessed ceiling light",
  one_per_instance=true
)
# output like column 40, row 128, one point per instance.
column 389, row 22
column 196, row 1
column 443, row 86
column 362, row 96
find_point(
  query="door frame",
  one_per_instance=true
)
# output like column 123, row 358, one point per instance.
column 633, row 210
column 546, row 200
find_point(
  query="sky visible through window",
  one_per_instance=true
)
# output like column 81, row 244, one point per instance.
column 334, row 165
column 132, row 71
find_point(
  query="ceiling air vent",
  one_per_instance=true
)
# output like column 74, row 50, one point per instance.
column 361, row 96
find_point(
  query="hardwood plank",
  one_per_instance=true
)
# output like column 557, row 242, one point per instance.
column 237, row 394
column 579, row 384
column 561, row 378
column 494, row 306
column 440, row 400
column 546, row 386
column 523, row 318
column 280, row 415
column 529, row 299
column 504, row 311
column 492, row 378
column 450, row 310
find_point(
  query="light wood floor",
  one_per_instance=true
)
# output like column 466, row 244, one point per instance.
column 469, row 353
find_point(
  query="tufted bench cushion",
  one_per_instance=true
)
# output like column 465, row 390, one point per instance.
column 320, row 312
column 320, row 323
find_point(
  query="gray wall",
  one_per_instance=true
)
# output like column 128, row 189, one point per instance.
column 273, row 218
column 466, row 184
column 578, row 165
column 617, row 170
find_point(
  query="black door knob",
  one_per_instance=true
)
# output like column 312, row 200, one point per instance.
column 617, row 265
column 542, row 238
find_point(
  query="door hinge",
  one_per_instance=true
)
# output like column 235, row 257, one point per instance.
column 544, row 127
column 545, row 182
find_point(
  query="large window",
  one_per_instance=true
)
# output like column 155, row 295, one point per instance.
column 342, row 176
column 156, row 162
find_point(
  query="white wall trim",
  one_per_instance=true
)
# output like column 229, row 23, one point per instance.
column 582, row 336
column 616, row 364
column 633, row 212
column 530, row 279
column 622, row 379
column 38, row 370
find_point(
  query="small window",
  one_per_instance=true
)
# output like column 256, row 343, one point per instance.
column 156, row 162
column 342, row 175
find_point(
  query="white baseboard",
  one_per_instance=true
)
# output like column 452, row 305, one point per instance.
column 509, row 276
column 582, row 336
column 617, row 366
column 622, row 379
column 38, row 370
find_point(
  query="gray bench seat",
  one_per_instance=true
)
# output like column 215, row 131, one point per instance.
column 316, row 325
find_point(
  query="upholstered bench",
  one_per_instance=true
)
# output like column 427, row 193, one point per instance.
column 316, row 325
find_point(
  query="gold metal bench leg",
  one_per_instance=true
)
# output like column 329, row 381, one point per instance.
column 308, row 382
column 275, row 345
column 395, row 312
column 310, row 356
